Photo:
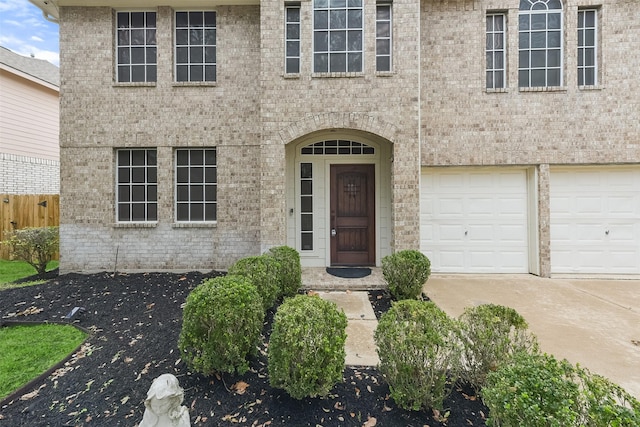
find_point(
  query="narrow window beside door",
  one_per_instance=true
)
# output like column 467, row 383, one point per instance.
column 306, row 206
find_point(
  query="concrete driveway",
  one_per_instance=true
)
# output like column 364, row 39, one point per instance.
column 595, row 323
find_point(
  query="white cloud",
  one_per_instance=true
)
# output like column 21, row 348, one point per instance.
column 24, row 30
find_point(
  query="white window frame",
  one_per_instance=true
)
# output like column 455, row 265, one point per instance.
column 533, row 59
column 583, row 48
column 335, row 8
column 127, row 185
column 496, row 50
column 139, row 55
column 190, row 185
column 291, row 42
column 384, row 39
column 206, row 47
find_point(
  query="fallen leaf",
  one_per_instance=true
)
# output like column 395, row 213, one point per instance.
column 339, row 406
column 371, row 421
column 240, row 387
column 33, row 394
column 124, row 400
column 471, row 398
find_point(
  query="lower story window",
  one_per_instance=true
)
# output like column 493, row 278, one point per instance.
column 306, row 206
column 137, row 185
column 196, row 185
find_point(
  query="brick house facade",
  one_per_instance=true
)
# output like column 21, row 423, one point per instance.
column 495, row 136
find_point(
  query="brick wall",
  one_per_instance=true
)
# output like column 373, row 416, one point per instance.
column 99, row 116
column 28, row 175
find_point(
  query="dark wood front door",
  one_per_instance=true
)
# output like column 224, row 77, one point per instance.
column 353, row 215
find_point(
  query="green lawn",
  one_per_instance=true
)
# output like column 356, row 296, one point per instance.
column 14, row 270
column 28, row 351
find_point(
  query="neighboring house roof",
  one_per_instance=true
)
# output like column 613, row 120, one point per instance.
column 35, row 68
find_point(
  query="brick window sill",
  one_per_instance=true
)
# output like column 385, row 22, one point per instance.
column 194, row 225
column 135, row 225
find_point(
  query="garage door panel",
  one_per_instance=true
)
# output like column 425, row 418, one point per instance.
column 479, row 220
column 452, row 207
column 595, row 220
column 622, row 206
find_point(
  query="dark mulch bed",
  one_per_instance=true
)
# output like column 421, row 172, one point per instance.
column 135, row 321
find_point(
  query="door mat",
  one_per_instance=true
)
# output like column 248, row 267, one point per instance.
column 349, row 272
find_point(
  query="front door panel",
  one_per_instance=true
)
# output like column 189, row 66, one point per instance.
column 352, row 215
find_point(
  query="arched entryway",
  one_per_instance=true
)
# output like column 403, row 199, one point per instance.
column 338, row 195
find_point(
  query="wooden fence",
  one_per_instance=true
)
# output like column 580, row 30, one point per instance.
column 21, row 211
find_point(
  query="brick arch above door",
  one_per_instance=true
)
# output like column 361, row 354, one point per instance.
column 352, row 121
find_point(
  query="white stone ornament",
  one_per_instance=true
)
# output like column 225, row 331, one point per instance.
column 163, row 404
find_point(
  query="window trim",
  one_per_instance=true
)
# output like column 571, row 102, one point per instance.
column 494, row 70
column 389, row 4
column 315, row 52
column 204, row 64
column 130, row 184
column 596, row 48
column 188, row 184
column 530, row 12
column 287, row 23
column 117, row 45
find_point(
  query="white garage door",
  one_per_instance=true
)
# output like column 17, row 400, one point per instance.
column 474, row 220
column 595, row 220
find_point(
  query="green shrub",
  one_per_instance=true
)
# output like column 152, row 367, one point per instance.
column 405, row 272
column 306, row 349
column 607, row 404
column 534, row 390
column 263, row 272
column 221, row 325
column 539, row 391
column 491, row 334
column 35, row 246
column 290, row 269
column 417, row 346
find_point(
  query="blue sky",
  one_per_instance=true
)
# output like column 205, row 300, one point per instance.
column 24, row 30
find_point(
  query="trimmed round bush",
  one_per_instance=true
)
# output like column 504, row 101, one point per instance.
column 306, row 349
column 491, row 334
column 263, row 272
column 290, row 269
column 221, row 325
column 534, row 390
column 417, row 346
column 406, row 272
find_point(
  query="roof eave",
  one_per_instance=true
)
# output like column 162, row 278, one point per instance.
column 49, row 9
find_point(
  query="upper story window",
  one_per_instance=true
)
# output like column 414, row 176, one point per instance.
column 496, row 70
column 587, row 47
column 383, row 37
column 137, row 185
column 195, row 46
column 540, row 25
column 337, row 36
column 196, row 185
column 292, row 39
column 136, row 49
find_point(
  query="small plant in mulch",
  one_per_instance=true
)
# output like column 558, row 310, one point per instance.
column 221, row 325
column 405, row 273
column 418, row 346
column 262, row 271
column 491, row 334
column 306, row 348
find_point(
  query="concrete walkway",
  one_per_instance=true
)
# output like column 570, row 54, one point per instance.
column 350, row 296
column 595, row 323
